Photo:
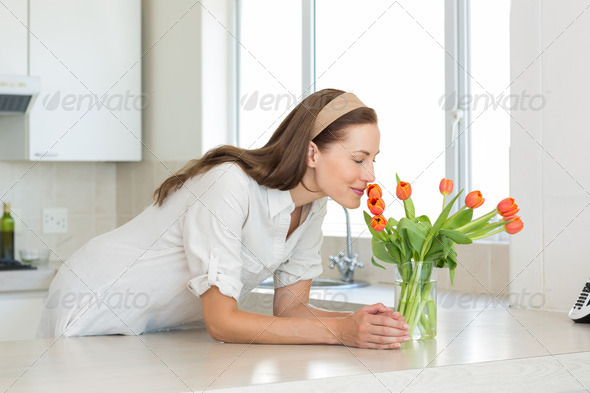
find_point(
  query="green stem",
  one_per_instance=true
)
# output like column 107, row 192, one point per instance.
column 401, row 304
column 431, row 310
column 456, row 213
column 425, row 323
column 410, row 306
column 485, row 218
column 488, row 234
column 420, row 306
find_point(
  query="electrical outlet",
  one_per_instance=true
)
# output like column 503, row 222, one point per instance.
column 55, row 220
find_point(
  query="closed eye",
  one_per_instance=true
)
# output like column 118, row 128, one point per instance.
column 361, row 161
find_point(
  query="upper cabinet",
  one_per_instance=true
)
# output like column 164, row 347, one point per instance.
column 88, row 58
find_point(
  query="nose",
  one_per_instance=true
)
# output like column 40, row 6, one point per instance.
column 368, row 173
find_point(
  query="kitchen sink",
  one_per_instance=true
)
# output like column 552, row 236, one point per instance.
column 323, row 283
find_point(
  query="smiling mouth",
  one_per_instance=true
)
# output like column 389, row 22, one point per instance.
column 358, row 191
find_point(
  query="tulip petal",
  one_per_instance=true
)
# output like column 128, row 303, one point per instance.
column 403, row 190
column 374, row 191
column 474, row 199
column 446, row 186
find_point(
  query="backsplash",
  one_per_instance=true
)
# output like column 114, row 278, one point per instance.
column 136, row 183
column 87, row 190
column 482, row 267
column 99, row 197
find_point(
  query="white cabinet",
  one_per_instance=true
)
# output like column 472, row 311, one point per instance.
column 13, row 37
column 21, row 313
column 88, row 56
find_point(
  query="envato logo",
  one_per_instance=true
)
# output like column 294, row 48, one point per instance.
column 485, row 102
column 111, row 102
column 467, row 300
column 267, row 102
column 113, row 300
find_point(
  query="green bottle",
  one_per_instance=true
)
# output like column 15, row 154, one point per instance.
column 7, row 234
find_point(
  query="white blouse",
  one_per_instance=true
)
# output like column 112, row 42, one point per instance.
column 221, row 229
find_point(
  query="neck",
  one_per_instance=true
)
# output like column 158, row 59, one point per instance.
column 302, row 196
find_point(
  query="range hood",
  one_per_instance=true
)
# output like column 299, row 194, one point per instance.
column 17, row 93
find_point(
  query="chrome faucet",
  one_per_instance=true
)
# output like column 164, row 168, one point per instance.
column 346, row 264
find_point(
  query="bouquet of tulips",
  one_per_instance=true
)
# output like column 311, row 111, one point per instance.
column 416, row 238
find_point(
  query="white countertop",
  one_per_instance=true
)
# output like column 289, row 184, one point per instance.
column 27, row 280
column 528, row 348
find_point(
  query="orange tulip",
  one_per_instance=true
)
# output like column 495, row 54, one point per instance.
column 376, row 205
column 514, row 225
column 446, row 186
column 378, row 223
column 474, row 199
column 507, row 207
column 510, row 218
column 403, row 190
column 374, row 191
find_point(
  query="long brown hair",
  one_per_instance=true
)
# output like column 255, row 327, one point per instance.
column 282, row 162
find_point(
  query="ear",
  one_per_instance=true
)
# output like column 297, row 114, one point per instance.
column 312, row 155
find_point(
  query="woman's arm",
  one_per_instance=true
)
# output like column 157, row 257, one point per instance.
column 293, row 301
column 363, row 328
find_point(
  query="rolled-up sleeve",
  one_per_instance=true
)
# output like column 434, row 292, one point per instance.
column 212, row 231
column 305, row 261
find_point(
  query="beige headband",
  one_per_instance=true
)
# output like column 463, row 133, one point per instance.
column 339, row 106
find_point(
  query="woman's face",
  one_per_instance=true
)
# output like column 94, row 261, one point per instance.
column 345, row 167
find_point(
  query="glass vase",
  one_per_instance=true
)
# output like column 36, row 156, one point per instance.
column 415, row 295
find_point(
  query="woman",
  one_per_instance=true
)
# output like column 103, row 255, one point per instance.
column 222, row 225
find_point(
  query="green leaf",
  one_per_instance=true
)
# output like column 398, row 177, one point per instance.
column 456, row 236
column 403, row 257
column 393, row 236
column 445, row 214
column 478, row 223
column 424, row 219
column 434, row 256
column 459, row 220
column 409, row 208
column 424, row 226
column 487, row 229
column 368, row 218
column 376, row 264
column 438, row 224
column 452, row 260
column 436, row 247
column 394, row 251
column 391, row 223
column 415, row 236
column 380, row 251
column 446, row 244
column 452, row 275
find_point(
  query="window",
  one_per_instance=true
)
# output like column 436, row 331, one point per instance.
column 392, row 55
column 490, row 100
column 395, row 64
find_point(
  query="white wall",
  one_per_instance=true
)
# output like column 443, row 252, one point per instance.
column 549, row 149
column 186, row 71
column 187, row 49
column 171, row 79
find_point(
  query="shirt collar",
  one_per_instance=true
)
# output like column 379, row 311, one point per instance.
column 278, row 201
column 281, row 200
